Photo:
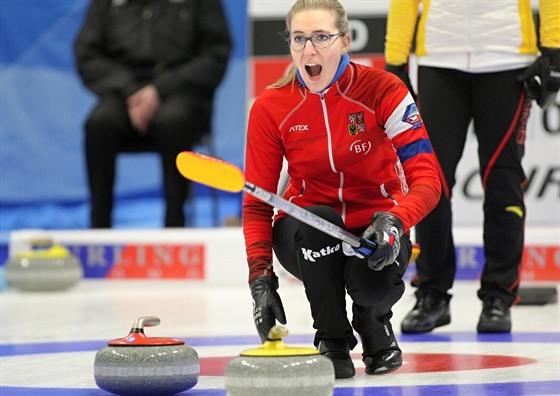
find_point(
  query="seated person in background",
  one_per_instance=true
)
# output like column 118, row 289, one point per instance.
column 154, row 65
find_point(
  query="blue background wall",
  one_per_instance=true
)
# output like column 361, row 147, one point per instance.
column 42, row 109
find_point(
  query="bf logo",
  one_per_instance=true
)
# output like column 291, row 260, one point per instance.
column 360, row 147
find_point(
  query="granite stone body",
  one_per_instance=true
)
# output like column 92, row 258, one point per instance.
column 146, row 370
column 280, row 376
column 52, row 270
column 138, row 365
column 275, row 369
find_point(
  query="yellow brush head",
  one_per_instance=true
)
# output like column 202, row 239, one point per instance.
column 210, row 171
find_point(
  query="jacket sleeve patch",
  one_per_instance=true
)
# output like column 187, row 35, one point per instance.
column 412, row 116
column 404, row 117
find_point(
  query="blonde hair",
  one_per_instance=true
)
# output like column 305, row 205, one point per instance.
column 341, row 22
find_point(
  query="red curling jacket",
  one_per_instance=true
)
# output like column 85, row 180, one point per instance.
column 360, row 147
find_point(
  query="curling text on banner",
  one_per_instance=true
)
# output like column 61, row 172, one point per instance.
column 217, row 255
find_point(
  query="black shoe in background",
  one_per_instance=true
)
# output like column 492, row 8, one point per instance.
column 338, row 351
column 428, row 313
column 495, row 316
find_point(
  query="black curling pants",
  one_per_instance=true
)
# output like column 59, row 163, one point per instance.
column 327, row 274
column 449, row 100
column 108, row 128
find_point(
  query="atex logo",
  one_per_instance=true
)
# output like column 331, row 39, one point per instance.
column 299, row 128
column 311, row 255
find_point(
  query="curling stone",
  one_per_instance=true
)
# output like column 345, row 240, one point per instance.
column 275, row 369
column 141, row 365
column 46, row 267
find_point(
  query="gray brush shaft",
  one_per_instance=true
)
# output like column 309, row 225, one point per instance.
column 303, row 215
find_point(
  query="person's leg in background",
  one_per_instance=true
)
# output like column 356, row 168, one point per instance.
column 107, row 127
column 445, row 107
column 176, row 127
column 500, row 112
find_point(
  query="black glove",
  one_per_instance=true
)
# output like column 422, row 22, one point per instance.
column 547, row 69
column 267, row 306
column 401, row 72
column 386, row 231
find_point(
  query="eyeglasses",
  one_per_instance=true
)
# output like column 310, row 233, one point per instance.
column 319, row 40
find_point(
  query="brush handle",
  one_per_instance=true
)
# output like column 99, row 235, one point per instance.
column 364, row 246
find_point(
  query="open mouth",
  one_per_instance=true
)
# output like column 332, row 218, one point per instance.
column 313, row 70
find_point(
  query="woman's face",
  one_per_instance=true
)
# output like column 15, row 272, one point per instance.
column 317, row 67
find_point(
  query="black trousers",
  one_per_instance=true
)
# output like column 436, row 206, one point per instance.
column 449, row 100
column 327, row 274
column 108, row 129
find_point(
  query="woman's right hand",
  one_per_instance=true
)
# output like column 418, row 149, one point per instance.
column 267, row 305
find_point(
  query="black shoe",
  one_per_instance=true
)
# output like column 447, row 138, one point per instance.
column 382, row 354
column 383, row 362
column 338, row 351
column 495, row 316
column 428, row 313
